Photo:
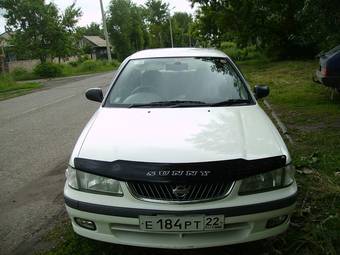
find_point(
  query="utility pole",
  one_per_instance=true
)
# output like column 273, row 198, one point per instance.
column 172, row 39
column 105, row 32
column 189, row 33
column 2, row 60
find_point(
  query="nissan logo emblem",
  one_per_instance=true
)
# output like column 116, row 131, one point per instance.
column 181, row 191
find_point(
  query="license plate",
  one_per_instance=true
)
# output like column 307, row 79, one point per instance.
column 171, row 223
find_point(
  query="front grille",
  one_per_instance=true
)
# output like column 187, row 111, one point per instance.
column 180, row 192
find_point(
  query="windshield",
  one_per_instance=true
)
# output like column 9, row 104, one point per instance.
column 182, row 82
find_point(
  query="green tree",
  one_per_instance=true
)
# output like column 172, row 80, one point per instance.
column 284, row 27
column 66, row 45
column 181, row 26
column 320, row 23
column 158, row 23
column 136, row 33
column 93, row 29
column 39, row 30
column 126, row 27
column 133, row 27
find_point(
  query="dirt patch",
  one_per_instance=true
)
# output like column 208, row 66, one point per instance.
column 307, row 127
column 31, row 212
column 38, row 243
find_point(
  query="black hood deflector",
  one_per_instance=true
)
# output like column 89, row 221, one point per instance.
column 213, row 171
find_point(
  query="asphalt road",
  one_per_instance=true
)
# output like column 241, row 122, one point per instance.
column 37, row 135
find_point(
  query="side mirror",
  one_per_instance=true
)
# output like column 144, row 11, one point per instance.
column 94, row 94
column 261, row 91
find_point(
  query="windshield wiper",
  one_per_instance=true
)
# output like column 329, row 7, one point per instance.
column 174, row 103
column 190, row 103
column 231, row 102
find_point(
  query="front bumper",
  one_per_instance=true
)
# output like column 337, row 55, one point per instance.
column 117, row 218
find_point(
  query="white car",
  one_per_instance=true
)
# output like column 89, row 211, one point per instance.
column 179, row 155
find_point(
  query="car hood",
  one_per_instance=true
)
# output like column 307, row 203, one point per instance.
column 179, row 135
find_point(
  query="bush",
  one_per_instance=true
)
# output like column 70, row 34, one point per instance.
column 73, row 63
column 46, row 70
column 6, row 81
column 236, row 53
column 115, row 63
column 90, row 65
column 19, row 72
column 83, row 58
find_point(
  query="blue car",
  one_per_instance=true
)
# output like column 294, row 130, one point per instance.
column 328, row 73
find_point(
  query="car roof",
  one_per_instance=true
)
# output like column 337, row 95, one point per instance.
column 178, row 52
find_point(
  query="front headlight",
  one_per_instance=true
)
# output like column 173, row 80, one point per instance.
column 92, row 183
column 268, row 181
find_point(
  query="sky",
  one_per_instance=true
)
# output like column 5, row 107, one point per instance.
column 91, row 9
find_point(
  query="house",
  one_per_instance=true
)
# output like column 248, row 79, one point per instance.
column 6, row 49
column 6, row 54
column 5, row 38
column 94, row 45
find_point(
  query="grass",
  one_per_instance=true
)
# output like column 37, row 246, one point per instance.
column 238, row 54
column 313, row 121
column 88, row 67
column 70, row 69
column 10, row 88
